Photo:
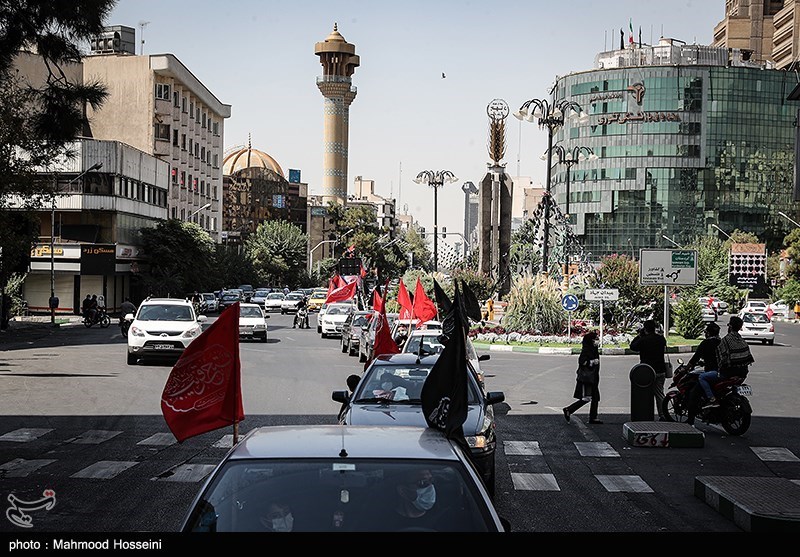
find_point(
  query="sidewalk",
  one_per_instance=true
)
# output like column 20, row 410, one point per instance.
column 675, row 349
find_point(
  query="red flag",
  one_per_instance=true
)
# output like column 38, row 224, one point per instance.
column 332, row 285
column 363, row 272
column 406, row 305
column 340, row 281
column 424, row 308
column 342, row 294
column 203, row 390
column 377, row 301
column 769, row 312
column 384, row 343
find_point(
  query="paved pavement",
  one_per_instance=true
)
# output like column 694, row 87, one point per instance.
column 754, row 504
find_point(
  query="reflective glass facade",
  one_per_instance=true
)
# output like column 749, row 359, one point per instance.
column 680, row 148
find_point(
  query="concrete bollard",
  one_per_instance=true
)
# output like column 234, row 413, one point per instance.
column 642, row 400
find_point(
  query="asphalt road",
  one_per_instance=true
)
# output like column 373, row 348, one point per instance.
column 75, row 418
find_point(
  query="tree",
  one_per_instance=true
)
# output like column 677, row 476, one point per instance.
column 277, row 251
column 179, row 258
column 233, row 267
column 636, row 302
column 689, row 318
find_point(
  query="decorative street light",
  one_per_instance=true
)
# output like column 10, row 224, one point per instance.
column 570, row 158
column 670, row 240
column 204, row 207
column 552, row 117
column 95, row 166
column 787, row 217
column 323, row 242
column 435, row 179
column 728, row 236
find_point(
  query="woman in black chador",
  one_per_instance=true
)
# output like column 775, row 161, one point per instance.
column 588, row 378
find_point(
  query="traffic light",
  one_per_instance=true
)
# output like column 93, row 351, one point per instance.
column 349, row 266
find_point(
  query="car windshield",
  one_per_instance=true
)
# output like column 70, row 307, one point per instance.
column 328, row 495
column 165, row 312
column 429, row 344
column 338, row 310
column 360, row 321
column 399, row 384
column 208, row 296
column 230, row 297
column 755, row 318
column 275, row 296
column 250, row 312
column 294, row 297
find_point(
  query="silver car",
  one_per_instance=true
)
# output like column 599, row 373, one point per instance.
column 335, row 478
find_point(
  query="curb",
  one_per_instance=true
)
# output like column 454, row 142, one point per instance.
column 679, row 349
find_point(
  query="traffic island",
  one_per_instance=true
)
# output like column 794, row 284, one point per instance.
column 663, row 434
column 754, row 504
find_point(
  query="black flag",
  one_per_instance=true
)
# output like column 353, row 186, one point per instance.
column 472, row 307
column 621, row 39
column 442, row 300
column 444, row 394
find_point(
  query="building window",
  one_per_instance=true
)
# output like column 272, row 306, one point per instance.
column 176, row 99
column 174, row 212
column 216, row 128
column 191, row 109
column 191, row 144
column 183, row 178
column 216, row 160
column 198, row 114
column 196, row 150
column 215, row 193
column 162, row 132
column 175, row 137
column 183, row 141
column 174, row 175
column 163, row 91
column 183, row 104
column 202, row 153
column 183, row 214
column 204, row 120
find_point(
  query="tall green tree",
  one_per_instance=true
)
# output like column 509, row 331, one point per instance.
column 179, row 258
column 277, row 251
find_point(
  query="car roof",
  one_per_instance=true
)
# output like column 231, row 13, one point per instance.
column 249, row 305
column 176, row 301
column 325, row 441
column 404, row 358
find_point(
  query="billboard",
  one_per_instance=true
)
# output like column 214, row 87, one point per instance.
column 747, row 268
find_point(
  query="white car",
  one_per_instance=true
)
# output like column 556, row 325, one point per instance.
column 274, row 301
column 754, row 305
column 210, row 301
column 252, row 322
column 428, row 342
column 780, row 309
column 757, row 326
column 334, row 317
column 414, row 325
column 162, row 327
column 289, row 304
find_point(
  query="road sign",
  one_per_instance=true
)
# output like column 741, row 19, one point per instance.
column 569, row 302
column 602, row 294
column 667, row 267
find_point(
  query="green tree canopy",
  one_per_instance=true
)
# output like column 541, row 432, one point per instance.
column 277, row 251
column 636, row 303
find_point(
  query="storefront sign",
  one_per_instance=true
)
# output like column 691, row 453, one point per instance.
column 98, row 259
column 44, row 251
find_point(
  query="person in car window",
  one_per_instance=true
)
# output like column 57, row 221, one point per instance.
column 416, row 507
column 277, row 518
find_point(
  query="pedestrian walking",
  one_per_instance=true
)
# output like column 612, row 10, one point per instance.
column 490, row 308
column 587, row 385
column 652, row 348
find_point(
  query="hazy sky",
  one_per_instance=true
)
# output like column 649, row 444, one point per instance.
column 258, row 56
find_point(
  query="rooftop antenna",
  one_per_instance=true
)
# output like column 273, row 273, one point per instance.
column 142, row 25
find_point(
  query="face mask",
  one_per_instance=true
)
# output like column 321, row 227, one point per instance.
column 283, row 524
column 386, row 386
column 426, row 497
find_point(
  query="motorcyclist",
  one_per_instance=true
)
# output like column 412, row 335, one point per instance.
column 93, row 306
column 707, row 353
column 86, row 305
column 302, row 313
column 127, row 307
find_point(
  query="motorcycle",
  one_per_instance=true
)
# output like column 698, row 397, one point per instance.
column 301, row 318
column 100, row 318
column 734, row 412
column 124, row 325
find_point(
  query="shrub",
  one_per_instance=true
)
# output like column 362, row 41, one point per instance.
column 534, row 304
column 689, row 318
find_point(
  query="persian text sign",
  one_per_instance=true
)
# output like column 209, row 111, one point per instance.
column 667, row 267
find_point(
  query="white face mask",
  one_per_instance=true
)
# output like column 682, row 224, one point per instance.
column 426, row 498
column 283, row 524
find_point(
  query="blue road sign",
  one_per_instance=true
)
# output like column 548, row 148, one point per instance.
column 569, row 302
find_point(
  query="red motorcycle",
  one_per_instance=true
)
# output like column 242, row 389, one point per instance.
column 733, row 412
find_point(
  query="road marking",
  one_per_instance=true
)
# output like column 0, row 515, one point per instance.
column 25, row 434
column 524, row 448
column 775, row 454
column 104, row 469
column 186, row 473
column 94, row 437
column 595, row 448
column 534, row 482
column 624, row 484
column 20, row 468
column 159, row 439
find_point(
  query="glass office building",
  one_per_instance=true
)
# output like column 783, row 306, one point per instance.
column 687, row 137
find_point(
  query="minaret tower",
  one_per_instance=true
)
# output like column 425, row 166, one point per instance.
column 339, row 61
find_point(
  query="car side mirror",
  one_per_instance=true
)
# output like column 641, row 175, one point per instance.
column 267, row 316
column 680, row 361
column 128, row 317
column 495, row 397
column 201, row 318
column 342, row 397
column 483, row 357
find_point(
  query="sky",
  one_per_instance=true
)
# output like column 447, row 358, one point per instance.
column 258, row 56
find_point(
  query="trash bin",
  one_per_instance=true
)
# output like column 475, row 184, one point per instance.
column 642, row 378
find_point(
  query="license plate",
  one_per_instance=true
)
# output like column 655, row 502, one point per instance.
column 245, row 332
column 745, row 390
column 162, row 347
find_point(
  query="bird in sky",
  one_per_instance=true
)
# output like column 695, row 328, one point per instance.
column 443, row 76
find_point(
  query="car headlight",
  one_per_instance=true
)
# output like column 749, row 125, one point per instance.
column 137, row 332
column 191, row 333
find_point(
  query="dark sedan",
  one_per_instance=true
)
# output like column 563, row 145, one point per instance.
column 228, row 300
column 351, row 330
column 389, row 394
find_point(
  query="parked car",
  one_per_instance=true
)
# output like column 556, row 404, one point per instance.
column 754, row 305
column 367, row 338
column 351, row 330
column 252, row 322
column 780, row 309
column 389, row 394
column 757, row 325
column 341, row 479
column 316, row 299
column 289, row 303
column 429, row 342
column 274, row 301
column 210, row 304
column 162, row 327
column 259, row 297
column 334, row 318
column 228, row 299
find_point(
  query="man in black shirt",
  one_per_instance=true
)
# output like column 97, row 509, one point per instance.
column 707, row 352
column 651, row 347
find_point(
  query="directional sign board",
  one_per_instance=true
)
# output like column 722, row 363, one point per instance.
column 569, row 302
column 667, row 267
column 601, row 294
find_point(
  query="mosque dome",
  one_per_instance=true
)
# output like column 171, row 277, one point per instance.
column 247, row 157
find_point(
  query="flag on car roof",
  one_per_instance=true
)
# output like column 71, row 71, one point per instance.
column 472, row 307
column 204, row 391
column 384, row 343
column 444, row 394
column 405, row 301
column 424, row 309
column 343, row 293
column 442, row 299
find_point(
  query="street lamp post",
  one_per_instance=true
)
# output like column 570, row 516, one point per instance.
column 323, row 242
column 728, row 236
column 787, row 217
column 435, row 179
column 670, row 240
column 52, row 304
column 552, row 117
column 206, row 206
column 570, row 158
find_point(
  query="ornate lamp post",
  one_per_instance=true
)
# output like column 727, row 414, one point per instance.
column 551, row 116
column 435, row 179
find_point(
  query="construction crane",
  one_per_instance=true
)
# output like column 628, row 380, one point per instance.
column 142, row 25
